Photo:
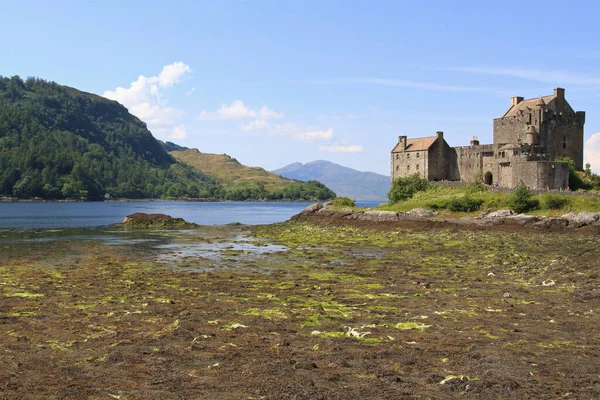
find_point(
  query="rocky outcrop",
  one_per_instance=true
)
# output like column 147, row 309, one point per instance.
column 156, row 221
column 498, row 217
column 582, row 219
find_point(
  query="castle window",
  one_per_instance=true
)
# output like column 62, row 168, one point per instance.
column 397, row 167
column 407, row 155
column 417, row 167
column 408, row 167
column 564, row 142
column 418, row 155
column 397, row 156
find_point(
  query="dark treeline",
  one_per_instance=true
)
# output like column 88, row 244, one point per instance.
column 57, row 142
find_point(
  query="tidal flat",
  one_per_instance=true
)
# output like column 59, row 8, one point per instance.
column 300, row 310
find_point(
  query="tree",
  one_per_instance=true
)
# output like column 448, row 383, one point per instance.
column 404, row 188
column 522, row 201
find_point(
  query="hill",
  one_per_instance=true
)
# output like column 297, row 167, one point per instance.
column 248, row 182
column 346, row 182
column 59, row 142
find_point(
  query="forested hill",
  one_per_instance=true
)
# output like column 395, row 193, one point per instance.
column 58, row 142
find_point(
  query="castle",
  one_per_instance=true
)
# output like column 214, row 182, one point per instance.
column 528, row 138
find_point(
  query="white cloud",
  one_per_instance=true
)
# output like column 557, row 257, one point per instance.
column 295, row 132
column 317, row 135
column 555, row 77
column 189, row 92
column 324, row 117
column 591, row 152
column 238, row 110
column 406, row 83
column 255, row 125
column 179, row 132
column 267, row 113
column 342, row 148
column 172, row 74
column 144, row 97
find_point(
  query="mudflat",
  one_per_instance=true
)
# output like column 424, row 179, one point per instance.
column 317, row 309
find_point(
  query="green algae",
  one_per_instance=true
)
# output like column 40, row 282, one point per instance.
column 268, row 313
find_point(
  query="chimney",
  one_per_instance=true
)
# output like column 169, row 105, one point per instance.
column 475, row 141
column 439, row 134
column 560, row 100
column 515, row 100
column 402, row 142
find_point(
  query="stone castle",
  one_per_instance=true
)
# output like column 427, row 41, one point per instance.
column 528, row 138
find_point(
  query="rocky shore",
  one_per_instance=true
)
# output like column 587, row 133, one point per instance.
column 499, row 217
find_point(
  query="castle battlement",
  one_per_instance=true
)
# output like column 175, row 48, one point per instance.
column 527, row 139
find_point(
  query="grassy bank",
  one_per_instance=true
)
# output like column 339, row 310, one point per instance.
column 552, row 204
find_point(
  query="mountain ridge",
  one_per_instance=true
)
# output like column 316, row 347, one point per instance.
column 345, row 181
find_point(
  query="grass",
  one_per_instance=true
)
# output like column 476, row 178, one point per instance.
column 437, row 194
column 229, row 169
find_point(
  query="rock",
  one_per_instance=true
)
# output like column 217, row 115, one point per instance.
column 422, row 213
column 552, row 223
column 523, row 219
column 584, row 218
column 156, row 221
column 312, row 208
column 376, row 216
column 498, row 214
column 506, row 295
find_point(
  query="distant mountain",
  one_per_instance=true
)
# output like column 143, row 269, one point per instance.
column 344, row 181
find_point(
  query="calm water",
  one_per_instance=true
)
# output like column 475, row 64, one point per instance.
column 21, row 215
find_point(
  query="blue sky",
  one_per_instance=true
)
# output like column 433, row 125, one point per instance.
column 275, row 82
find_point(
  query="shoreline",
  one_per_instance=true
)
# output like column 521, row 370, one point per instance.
column 568, row 221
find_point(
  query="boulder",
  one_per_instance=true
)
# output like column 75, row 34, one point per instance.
column 156, row 221
column 376, row 216
column 422, row 213
column 498, row 214
column 522, row 219
column 552, row 223
column 584, row 218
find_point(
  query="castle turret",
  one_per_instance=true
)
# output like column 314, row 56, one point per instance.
column 533, row 136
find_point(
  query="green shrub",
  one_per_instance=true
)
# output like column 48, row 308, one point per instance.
column 464, row 204
column 521, row 201
column 404, row 188
column 554, row 202
column 476, row 188
column 458, row 204
column 343, row 202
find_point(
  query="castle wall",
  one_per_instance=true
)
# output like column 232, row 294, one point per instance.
column 542, row 175
column 511, row 129
column 438, row 161
column 564, row 137
column 469, row 162
column 408, row 163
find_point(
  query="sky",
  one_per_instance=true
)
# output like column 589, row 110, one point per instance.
column 276, row 82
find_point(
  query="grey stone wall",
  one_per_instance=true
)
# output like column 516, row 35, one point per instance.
column 510, row 129
column 541, row 175
column 410, row 162
column 439, row 159
column 564, row 137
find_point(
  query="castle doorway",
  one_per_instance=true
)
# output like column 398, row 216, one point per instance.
column 488, row 178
